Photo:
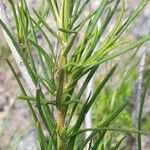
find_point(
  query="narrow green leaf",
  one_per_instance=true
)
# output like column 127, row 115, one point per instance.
column 117, row 53
column 66, row 30
column 109, row 142
column 76, row 7
column 41, row 137
column 14, row 12
column 46, row 38
column 83, row 22
column 16, row 77
column 130, row 19
column 99, row 33
column 19, row 50
column 43, row 117
column 28, row 98
column 88, row 105
column 132, row 16
column 49, row 147
column 124, row 147
column 109, row 129
column 24, row 27
column 70, row 44
column 116, row 147
column 106, row 123
column 31, row 98
column 78, row 11
column 118, row 22
column 47, row 26
column 85, row 83
column 145, row 88
column 31, row 24
column 94, row 96
column 42, row 7
column 97, row 16
column 103, row 52
column 44, row 71
column 65, row 14
column 49, row 85
column 54, row 8
column 41, row 50
column 71, row 102
column 92, row 46
column 72, row 140
column 100, row 87
column 25, row 95
column 36, row 41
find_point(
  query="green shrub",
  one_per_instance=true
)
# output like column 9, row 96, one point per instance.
column 66, row 64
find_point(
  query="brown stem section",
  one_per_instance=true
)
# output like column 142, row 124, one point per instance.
column 60, row 127
column 60, row 106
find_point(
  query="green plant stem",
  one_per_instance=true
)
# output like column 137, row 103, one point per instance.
column 62, row 60
column 59, row 102
column 60, row 127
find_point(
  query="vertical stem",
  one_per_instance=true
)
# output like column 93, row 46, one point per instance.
column 60, row 128
column 60, row 107
column 138, row 101
column 62, row 75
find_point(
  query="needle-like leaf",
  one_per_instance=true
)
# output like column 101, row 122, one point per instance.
column 47, row 26
column 20, row 52
column 104, row 124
